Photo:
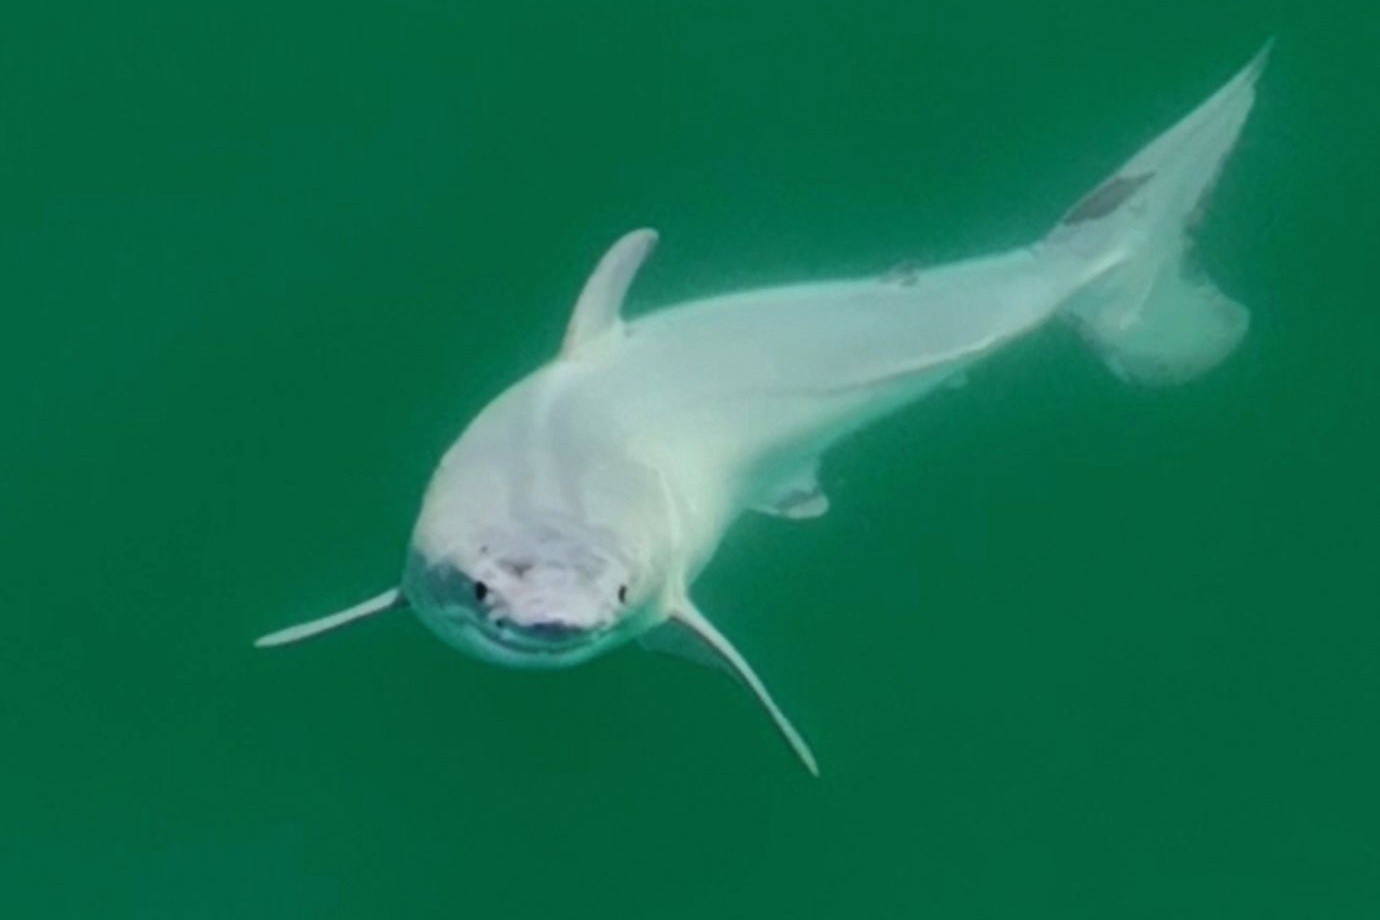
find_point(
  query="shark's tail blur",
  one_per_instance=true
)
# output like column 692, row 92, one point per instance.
column 1149, row 316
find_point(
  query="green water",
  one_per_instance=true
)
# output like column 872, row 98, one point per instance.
column 1064, row 649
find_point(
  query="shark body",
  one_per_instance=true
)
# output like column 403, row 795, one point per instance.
column 575, row 511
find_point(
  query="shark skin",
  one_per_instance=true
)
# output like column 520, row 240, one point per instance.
column 575, row 511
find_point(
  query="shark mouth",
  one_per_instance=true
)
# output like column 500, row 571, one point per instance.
column 550, row 637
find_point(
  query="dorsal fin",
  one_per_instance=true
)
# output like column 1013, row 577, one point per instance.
column 597, row 312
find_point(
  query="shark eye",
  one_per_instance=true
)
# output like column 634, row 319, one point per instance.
column 481, row 591
column 622, row 594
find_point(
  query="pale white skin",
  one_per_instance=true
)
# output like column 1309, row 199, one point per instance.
column 575, row 511
column 645, row 448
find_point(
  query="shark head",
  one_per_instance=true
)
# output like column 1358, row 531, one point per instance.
column 537, row 597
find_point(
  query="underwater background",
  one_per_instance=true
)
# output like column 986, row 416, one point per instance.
column 1064, row 648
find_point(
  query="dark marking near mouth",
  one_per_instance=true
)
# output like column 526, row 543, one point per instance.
column 1106, row 198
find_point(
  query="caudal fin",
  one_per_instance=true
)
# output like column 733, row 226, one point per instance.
column 1148, row 313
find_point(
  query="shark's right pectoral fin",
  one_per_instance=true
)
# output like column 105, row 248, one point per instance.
column 391, row 599
column 689, row 634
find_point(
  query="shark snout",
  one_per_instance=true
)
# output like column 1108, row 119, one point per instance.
column 549, row 603
column 553, row 601
column 546, row 608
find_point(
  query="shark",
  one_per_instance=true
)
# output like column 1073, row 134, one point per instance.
column 575, row 511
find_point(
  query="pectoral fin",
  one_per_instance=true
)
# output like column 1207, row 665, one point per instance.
column 391, row 599
column 688, row 634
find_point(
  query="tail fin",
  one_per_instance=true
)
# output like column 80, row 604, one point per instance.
column 1151, row 318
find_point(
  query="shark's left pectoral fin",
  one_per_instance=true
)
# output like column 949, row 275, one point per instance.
column 598, row 312
column 689, row 634
column 391, row 599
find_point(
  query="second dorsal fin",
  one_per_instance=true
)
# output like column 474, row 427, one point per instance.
column 598, row 311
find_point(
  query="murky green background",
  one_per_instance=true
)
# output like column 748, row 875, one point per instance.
column 1064, row 649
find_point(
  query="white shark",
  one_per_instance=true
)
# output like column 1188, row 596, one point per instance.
column 576, row 510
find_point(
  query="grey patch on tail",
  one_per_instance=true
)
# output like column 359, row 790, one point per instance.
column 1106, row 198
